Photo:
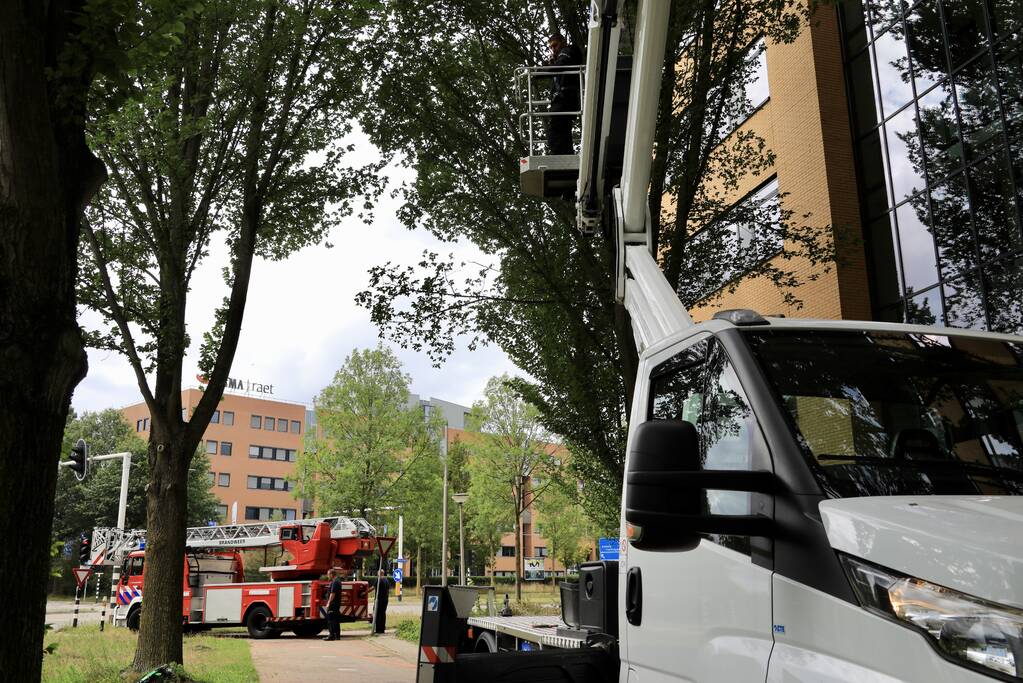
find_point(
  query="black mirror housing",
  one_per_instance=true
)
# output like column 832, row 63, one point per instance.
column 664, row 500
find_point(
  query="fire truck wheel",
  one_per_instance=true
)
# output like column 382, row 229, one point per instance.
column 133, row 618
column 308, row 630
column 257, row 621
column 486, row 643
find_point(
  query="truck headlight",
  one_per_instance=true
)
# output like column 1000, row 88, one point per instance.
column 965, row 629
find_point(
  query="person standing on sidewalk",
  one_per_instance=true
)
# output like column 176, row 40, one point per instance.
column 383, row 589
column 334, row 606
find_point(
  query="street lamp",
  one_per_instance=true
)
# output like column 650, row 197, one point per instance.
column 460, row 498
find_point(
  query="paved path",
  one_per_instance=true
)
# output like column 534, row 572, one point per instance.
column 357, row 657
column 59, row 613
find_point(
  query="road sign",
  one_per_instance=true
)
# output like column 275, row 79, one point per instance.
column 81, row 575
column 396, row 574
column 608, row 548
column 533, row 568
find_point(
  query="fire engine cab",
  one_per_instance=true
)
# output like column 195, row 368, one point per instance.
column 214, row 592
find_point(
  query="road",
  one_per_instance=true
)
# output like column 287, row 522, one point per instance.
column 356, row 657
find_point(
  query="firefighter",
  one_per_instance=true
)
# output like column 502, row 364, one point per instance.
column 383, row 589
column 334, row 606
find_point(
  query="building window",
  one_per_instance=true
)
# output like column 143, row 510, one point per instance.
column 268, row 483
column 213, row 478
column 138, row 425
column 540, row 551
column 296, row 427
column 750, row 232
column 752, row 91
column 266, row 514
column 282, row 424
column 225, row 479
column 225, row 447
column 145, row 424
column 222, row 512
column 507, row 551
column 256, row 422
column 211, row 447
column 939, row 149
column 271, row 453
column 215, row 420
column 269, row 424
column 184, row 414
column 228, row 418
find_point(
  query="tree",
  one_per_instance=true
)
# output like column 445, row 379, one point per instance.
column 51, row 56
column 233, row 136
column 549, row 301
column 368, row 441
column 563, row 523
column 490, row 517
column 513, row 448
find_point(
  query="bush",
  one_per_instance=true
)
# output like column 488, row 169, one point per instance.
column 408, row 630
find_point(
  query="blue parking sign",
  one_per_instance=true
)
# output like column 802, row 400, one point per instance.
column 608, row 548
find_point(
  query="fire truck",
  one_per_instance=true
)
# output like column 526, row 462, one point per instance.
column 215, row 593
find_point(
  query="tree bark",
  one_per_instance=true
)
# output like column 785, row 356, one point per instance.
column 159, row 640
column 518, row 541
column 46, row 173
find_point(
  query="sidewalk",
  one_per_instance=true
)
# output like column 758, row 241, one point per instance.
column 356, row 657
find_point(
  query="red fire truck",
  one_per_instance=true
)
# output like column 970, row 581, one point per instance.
column 215, row 593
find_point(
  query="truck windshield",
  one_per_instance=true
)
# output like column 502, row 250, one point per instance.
column 889, row 413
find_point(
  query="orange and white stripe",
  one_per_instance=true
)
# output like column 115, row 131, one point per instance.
column 437, row 654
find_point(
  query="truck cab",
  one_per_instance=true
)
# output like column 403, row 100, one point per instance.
column 824, row 501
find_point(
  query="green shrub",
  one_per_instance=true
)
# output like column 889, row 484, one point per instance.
column 408, row 630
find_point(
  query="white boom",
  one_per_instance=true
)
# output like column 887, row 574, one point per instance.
column 110, row 544
column 652, row 303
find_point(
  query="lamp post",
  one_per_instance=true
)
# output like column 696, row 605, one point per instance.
column 444, row 509
column 460, row 498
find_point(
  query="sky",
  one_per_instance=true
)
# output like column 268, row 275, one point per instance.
column 301, row 320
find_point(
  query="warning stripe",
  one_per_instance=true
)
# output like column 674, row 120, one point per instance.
column 442, row 654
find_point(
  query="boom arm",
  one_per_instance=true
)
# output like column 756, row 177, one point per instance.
column 652, row 303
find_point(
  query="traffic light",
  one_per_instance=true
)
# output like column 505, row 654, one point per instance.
column 80, row 459
column 83, row 551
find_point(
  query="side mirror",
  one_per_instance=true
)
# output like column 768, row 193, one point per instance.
column 665, row 503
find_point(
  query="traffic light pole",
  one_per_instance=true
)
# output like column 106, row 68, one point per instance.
column 122, row 513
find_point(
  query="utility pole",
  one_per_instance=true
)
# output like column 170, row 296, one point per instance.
column 460, row 498
column 444, row 510
column 401, row 553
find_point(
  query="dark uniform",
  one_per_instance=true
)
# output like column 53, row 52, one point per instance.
column 380, row 612
column 334, row 610
column 564, row 98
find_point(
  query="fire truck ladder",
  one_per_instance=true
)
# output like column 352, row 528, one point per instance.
column 109, row 544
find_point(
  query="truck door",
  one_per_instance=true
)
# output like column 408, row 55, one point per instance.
column 705, row 612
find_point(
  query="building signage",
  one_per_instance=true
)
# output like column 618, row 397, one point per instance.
column 245, row 386
column 532, row 568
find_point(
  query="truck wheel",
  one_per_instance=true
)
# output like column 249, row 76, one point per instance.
column 486, row 643
column 257, row 621
column 309, row 630
column 134, row 618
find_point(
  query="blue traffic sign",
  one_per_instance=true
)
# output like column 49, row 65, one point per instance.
column 608, row 548
column 396, row 575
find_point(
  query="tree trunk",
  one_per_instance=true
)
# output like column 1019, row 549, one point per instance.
column 159, row 639
column 419, row 572
column 45, row 169
column 518, row 542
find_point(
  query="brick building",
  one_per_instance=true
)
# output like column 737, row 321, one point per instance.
column 896, row 124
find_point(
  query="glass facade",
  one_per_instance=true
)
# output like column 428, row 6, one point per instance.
column 937, row 113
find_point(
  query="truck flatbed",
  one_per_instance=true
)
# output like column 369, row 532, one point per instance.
column 542, row 630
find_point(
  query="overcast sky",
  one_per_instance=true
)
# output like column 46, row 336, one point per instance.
column 301, row 320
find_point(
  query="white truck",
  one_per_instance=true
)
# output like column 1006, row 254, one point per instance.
column 804, row 500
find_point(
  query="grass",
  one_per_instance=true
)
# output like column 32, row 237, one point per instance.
column 86, row 655
column 408, row 629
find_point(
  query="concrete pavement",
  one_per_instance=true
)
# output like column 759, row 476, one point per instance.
column 357, row 657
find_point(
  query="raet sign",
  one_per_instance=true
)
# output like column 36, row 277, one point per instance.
column 245, row 386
